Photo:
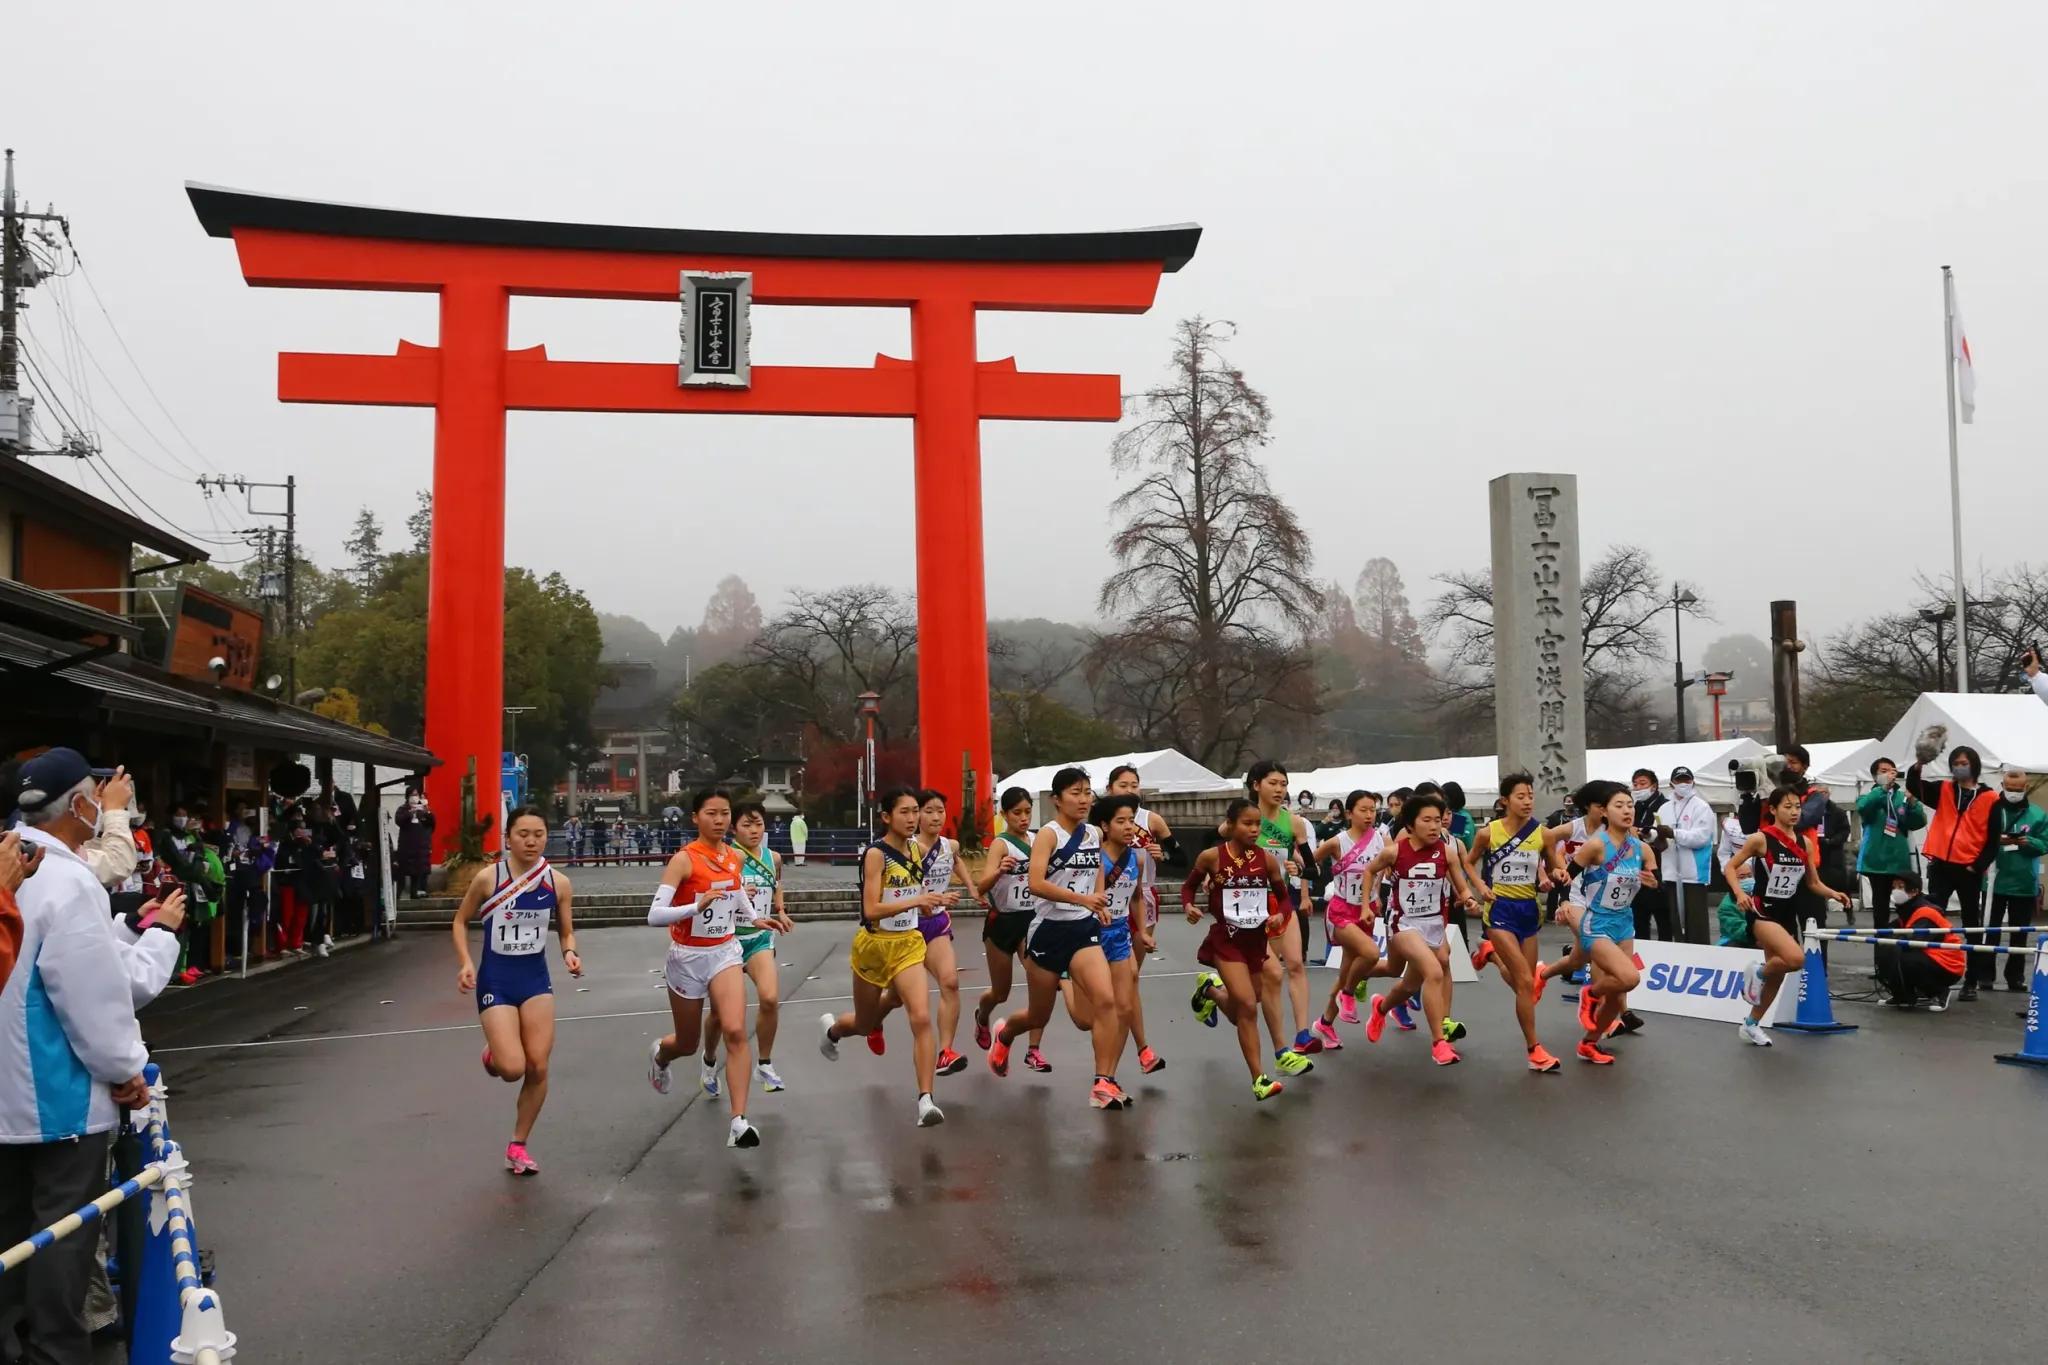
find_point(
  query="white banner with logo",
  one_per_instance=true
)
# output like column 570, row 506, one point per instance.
column 1705, row 983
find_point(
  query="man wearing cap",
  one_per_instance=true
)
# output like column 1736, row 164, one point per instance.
column 1689, row 865
column 71, row 1056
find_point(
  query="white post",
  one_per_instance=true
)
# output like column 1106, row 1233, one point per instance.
column 1955, row 475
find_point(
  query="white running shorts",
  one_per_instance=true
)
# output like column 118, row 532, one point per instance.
column 690, row 969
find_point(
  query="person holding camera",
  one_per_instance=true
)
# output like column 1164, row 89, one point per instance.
column 2036, row 679
column 2016, row 883
column 1963, row 835
column 1890, row 815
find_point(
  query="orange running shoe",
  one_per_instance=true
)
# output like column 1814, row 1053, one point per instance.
column 1443, row 1054
column 999, row 1055
column 1594, row 1053
column 1540, row 982
column 1541, row 1061
column 1483, row 955
column 1376, row 1019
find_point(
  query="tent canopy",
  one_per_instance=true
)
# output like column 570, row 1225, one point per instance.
column 2004, row 729
column 1843, row 765
column 1161, row 770
column 1480, row 776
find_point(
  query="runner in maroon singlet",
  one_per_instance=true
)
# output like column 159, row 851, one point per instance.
column 1243, row 880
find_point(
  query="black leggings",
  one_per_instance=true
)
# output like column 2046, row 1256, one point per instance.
column 2014, row 912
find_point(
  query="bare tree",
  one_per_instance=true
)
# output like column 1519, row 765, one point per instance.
column 1621, row 604
column 826, row 648
column 1213, row 569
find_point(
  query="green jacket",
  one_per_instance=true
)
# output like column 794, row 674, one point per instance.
column 1888, row 854
column 2019, row 865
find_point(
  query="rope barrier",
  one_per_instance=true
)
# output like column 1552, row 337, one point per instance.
column 1861, row 936
column 1816, row 1013
column 88, row 1214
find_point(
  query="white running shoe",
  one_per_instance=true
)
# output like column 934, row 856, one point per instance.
column 1753, row 1034
column 707, row 1078
column 929, row 1115
column 769, row 1080
column 742, row 1133
column 657, row 1074
column 827, row 1044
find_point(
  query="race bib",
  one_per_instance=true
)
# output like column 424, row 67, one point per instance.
column 517, row 933
column 1245, row 907
column 1785, row 880
column 1516, row 869
column 1423, row 897
column 1618, row 892
column 1016, row 897
column 1120, row 897
column 760, row 902
column 1349, row 886
column 717, row 917
column 902, row 920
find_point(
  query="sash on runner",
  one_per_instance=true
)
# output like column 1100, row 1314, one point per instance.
column 1064, row 854
column 514, row 889
column 1496, row 856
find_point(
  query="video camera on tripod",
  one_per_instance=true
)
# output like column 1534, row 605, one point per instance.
column 1753, row 776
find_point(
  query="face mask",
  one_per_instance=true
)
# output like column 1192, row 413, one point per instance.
column 1682, row 790
column 1643, row 794
column 91, row 821
column 1963, row 771
column 1886, row 780
column 1749, row 886
column 179, row 821
column 1899, row 896
column 2014, row 797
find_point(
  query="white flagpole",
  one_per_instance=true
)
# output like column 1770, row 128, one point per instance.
column 1955, row 475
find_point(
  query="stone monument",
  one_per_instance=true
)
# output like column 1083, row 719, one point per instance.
column 1539, row 688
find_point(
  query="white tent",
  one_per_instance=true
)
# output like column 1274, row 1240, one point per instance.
column 1480, row 775
column 1165, row 771
column 1843, row 765
column 2002, row 728
column 1708, row 759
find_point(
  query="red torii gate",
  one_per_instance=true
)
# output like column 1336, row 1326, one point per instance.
column 471, row 381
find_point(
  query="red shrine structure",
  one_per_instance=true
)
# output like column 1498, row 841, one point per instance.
column 471, row 381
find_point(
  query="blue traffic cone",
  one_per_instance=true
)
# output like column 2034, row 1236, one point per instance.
column 2034, row 1039
column 1816, row 1013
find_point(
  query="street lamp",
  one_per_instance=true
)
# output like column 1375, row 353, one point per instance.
column 1939, row 617
column 1717, row 688
column 870, row 708
column 1681, row 598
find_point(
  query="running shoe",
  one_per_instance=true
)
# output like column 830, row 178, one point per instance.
column 1106, row 1094
column 877, row 1044
column 929, row 1115
column 1594, row 1053
column 981, row 1033
column 1580, row 977
column 1589, row 1006
column 1035, row 1059
column 1265, row 1088
column 1401, row 1019
column 951, row 1063
column 827, row 1044
column 1752, row 1033
column 1631, row 1022
column 998, row 1062
column 770, row 1081
column 741, row 1133
column 1540, row 981
column 1150, row 1061
column 1288, row 1062
column 657, row 1074
column 1327, row 1036
column 1347, row 1008
column 518, row 1162
column 1443, row 1054
column 1453, row 1030
column 1306, row 1041
column 490, row 1070
column 1540, row 1060
column 1376, row 1019
column 1614, row 1030
column 707, row 1079
column 1201, row 1002
column 1482, row 955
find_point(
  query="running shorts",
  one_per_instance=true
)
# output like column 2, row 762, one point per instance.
column 760, row 941
column 879, row 958
column 1052, row 943
column 936, row 926
column 1431, row 928
column 1618, row 926
column 1518, row 917
column 1286, row 916
column 1342, row 913
column 1007, row 929
column 690, row 970
column 1784, row 914
column 1116, row 940
column 1151, row 906
column 511, row 980
column 1225, row 944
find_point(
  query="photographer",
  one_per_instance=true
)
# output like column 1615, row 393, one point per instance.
column 1913, row 974
column 1687, row 824
column 1890, row 815
column 1963, row 837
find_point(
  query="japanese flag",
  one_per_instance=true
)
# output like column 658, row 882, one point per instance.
column 1966, row 373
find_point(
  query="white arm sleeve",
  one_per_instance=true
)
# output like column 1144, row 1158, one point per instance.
column 150, row 960
column 665, row 910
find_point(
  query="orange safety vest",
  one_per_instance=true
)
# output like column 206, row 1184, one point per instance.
column 1927, row 917
column 1954, row 837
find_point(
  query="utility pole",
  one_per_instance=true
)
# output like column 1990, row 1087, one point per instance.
column 16, row 274
column 221, row 484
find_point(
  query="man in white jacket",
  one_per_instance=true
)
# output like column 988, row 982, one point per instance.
column 71, row 1056
column 1691, row 865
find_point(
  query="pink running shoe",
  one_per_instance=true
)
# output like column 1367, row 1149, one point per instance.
column 1376, row 1022
column 982, row 1035
column 1443, row 1054
column 1331, row 1042
column 518, row 1162
column 1035, row 1059
column 1150, row 1061
column 1347, row 1008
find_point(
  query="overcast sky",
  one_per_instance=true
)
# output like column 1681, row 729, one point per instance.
column 1693, row 259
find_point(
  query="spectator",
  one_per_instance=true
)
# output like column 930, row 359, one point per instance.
column 1461, row 819
column 572, row 839
column 1913, row 974
column 1689, row 867
column 322, row 879
column 1653, row 903
column 2036, row 679
column 250, row 859
column 2016, row 883
column 1824, row 830
column 1813, row 803
column 294, row 853
column 14, row 869
column 112, row 853
column 799, row 835
column 415, row 858
column 71, row 1058
column 1962, row 837
column 600, row 838
column 1889, row 814
column 197, row 869
column 1396, row 799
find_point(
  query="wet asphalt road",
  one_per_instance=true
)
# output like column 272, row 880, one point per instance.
column 1866, row 1197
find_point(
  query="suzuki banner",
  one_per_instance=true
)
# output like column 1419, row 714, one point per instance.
column 1706, row 983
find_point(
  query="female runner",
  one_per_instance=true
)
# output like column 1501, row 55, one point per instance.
column 1613, row 865
column 943, row 870
column 1783, row 865
column 761, row 875
column 515, row 1001
column 1005, row 887
column 1153, row 835
column 1352, row 850
column 1247, row 886
column 1508, row 866
column 1419, row 860
column 1284, row 833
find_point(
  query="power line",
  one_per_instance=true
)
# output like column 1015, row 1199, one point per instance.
column 86, row 275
